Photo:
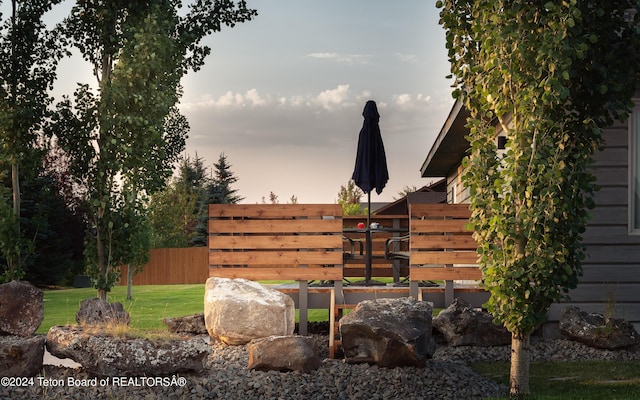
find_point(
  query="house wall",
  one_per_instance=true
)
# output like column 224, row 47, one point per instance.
column 610, row 284
column 611, row 281
column 456, row 192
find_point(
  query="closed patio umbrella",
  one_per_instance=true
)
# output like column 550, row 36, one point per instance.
column 371, row 166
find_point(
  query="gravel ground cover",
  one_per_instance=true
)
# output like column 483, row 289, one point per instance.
column 446, row 376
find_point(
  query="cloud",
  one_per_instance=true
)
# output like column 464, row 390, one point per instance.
column 323, row 55
column 332, row 98
column 350, row 59
column 406, row 58
column 274, row 139
column 328, row 120
column 409, row 101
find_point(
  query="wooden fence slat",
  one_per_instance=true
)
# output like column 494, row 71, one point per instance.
column 458, row 242
column 443, row 257
column 274, row 210
column 275, row 242
column 266, row 274
column 274, row 226
column 443, row 273
column 439, row 226
column 274, row 257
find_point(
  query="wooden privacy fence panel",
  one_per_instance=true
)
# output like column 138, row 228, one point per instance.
column 441, row 246
column 301, row 242
column 172, row 267
column 276, row 242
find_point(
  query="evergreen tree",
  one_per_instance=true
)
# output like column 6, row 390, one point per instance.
column 215, row 191
column 179, row 214
column 222, row 181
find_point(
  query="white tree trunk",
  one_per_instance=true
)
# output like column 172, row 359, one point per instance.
column 520, row 362
column 129, row 281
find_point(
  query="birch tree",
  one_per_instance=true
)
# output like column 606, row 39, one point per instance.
column 549, row 76
column 116, row 135
column 28, row 60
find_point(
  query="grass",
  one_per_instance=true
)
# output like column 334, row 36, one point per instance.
column 150, row 304
column 585, row 380
column 593, row 380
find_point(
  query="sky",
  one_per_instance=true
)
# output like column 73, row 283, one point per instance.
column 282, row 95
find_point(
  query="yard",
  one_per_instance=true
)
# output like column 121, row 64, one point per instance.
column 150, row 304
column 549, row 380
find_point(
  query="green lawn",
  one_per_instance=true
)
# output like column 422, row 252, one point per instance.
column 586, row 380
column 150, row 304
column 550, row 381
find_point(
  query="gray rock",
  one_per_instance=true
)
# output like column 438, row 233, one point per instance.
column 21, row 308
column 98, row 312
column 113, row 356
column 284, row 353
column 190, row 325
column 21, row 356
column 597, row 331
column 462, row 325
column 237, row 311
column 388, row 332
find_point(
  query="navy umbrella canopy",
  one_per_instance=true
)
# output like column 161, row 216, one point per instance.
column 371, row 168
column 371, row 162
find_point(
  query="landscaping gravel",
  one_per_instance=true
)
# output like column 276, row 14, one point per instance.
column 446, row 376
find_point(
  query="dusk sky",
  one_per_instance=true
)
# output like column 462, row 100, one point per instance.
column 282, row 96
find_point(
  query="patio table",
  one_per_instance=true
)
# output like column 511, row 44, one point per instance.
column 368, row 256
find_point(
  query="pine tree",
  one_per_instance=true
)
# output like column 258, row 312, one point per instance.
column 224, row 178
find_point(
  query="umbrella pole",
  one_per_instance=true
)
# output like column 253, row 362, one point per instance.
column 367, row 269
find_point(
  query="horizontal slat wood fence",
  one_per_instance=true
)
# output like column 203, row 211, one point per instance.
column 301, row 242
column 277, row 242
column 441, row 246
column 177, row 266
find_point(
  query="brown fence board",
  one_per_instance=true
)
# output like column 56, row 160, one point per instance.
column 297, row 226
column 457, row 242
column 172, row 267
column 266, row 274
column 276, row 242
column 275, row 257
column 439, row 226
column 443, row 273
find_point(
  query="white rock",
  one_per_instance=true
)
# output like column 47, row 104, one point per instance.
column 236, row 311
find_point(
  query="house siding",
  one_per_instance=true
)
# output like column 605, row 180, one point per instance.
column 611, row 271
column 610, row 283
column 456, row 191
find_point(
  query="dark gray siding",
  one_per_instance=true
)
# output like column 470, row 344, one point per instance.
column 611, row 281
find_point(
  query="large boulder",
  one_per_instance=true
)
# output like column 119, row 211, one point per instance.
column 188, row 325
column 95, row 311
column 21, row 308
column 237, row 311
column 463, row 325
column 388, row 332
column 21, row 356
column 284, row 353
column 597, row 331
column 106, row 355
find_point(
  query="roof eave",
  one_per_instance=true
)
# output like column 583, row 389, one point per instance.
column 450, row 145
